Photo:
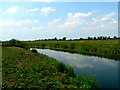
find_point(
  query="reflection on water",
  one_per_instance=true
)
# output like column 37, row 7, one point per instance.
column 104, row 70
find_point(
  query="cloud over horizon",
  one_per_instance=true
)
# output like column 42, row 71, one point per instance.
column 72, row 24
column 12, row 10
column 47, row 10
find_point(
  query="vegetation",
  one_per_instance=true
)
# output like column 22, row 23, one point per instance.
column 88, row 38
column 103, row 48
column 0, row 64
column 35, row 51
column 14, row 42
column 22, row 68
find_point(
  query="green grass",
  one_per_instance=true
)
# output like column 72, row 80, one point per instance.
column 23, row 68
column 0, row 65
column 102, row 48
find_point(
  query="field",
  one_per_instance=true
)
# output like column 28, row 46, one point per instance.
column 23, row 68
column 102, row 48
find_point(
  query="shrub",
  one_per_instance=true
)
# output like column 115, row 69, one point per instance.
column 35, row 51
column 65, row 69
column 13, row 42
column 72, row 46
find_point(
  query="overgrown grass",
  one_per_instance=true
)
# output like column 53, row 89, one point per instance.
column 0, row 64
column 27, row 69
column 102, row 48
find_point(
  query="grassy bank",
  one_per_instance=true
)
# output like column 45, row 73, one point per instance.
column 27, row 69
column 102, row 48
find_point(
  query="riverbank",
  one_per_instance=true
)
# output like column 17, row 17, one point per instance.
column 28, row 69
column 89, row 65
column 102, row 48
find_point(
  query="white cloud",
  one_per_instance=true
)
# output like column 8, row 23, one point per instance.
column 76, row 25
column 34, row 9
column 28, row 0
column 23, row 22
column 6, row 23
column 76, row 18
column 105, row 20
column 47, row 10
column 59, row 1
column 107, row 16
column 55, row 22
column 81, row 20
column 79, row 25
column 79, row 14
column 12, row 10
column 17, row 23
column 42, row 0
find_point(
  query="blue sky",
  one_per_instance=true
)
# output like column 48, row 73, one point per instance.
column 38, row 20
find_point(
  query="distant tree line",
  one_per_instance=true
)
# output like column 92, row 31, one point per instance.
column 54, row 39
column 102, row 38
column 88, row 38
column 13, row 42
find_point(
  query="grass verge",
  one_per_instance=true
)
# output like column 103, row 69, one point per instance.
column 102, row 48
column 22, row 68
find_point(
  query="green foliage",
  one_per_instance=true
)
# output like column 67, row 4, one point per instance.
column 35, row 51
column 14, row 42
column 72, row 46
column 64, row 38
column 25, row 69
column 61, row 67
column 83, row 81
column 102, row 48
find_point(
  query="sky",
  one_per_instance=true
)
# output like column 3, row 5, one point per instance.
column 40, row 20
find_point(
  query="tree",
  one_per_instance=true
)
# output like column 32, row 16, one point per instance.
column 64, row 38
column 55, row 38
column 14, row 42
column 89, row 38
column 108, row 37
column 81, row 39
column 100, row 38
column 114, row 37
column 104, row 38
column 94, row 38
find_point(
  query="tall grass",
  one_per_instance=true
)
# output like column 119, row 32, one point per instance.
column 26, row 69
column 102, row 48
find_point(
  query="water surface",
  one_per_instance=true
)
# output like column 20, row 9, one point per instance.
column 104, row 70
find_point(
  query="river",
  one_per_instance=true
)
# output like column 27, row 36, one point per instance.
column 104, row 70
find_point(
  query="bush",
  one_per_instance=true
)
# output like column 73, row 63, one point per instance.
column 72, row 46
column 35, row 51
column 65, row 69
column 13, row 42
